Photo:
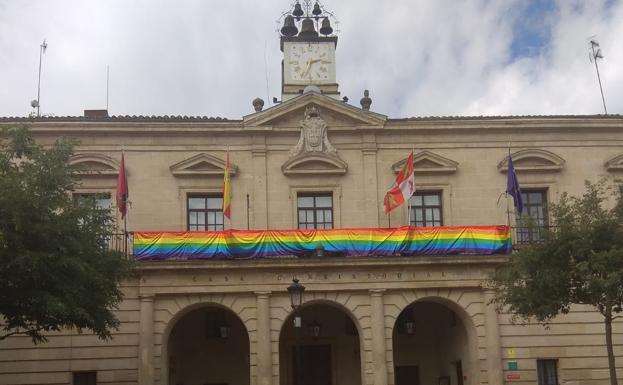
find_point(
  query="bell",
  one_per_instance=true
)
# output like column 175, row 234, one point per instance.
column 298, row 11
column 307, row 29
column 316, row 11
column 289, row 28
column 326, row 29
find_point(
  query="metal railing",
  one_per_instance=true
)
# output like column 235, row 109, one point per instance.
column 120, row 242
column 525, row 235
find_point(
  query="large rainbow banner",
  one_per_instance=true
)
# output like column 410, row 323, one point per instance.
column 377, row 242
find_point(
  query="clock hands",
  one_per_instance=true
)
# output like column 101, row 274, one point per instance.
column 308, row 67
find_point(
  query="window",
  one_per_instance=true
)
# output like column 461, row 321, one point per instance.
column 84, row 378
column 101, row 201
column 547, row 372
column 205, row 212
column 534, row 216
column 102, row 204
column 425, row 209
column 315, row 211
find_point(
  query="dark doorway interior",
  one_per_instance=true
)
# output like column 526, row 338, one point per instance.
column 316, row 365
column 459, row 372
column 407, row 375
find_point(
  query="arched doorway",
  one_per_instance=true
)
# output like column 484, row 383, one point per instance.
column 208, row 345
column 433, row 345
column 328, row 346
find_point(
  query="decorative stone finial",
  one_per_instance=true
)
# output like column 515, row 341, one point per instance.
column 258, row 104
column 366, row 101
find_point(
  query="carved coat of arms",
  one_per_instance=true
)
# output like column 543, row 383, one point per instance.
column 313, row 134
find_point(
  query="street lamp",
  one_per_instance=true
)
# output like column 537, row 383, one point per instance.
column 296, row 294
column 296, row 299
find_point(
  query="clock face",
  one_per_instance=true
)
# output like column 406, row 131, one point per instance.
column 310, row 63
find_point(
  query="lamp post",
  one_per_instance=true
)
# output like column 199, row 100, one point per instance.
column 296, row 299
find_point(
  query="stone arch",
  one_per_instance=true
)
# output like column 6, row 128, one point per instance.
column 314, row 164
column 467, row 305
column 614, row 164
column 533, row 160
column 169, row 310
column 355, row 305
column 94, row 164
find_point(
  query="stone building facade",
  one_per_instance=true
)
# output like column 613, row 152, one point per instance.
column 369, row 320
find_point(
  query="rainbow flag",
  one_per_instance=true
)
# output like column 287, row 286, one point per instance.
column 240, row 244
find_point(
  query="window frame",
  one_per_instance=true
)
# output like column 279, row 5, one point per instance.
column 412, row 208
column 77, row 195
column 315, row 209
column 335, row 189
column 89, row 381
column 532, row 232
column 205, row 211
column 543, row 371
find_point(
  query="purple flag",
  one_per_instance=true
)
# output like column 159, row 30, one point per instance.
column 512, row 185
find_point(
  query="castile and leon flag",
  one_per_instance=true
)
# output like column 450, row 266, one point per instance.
column 403, row 188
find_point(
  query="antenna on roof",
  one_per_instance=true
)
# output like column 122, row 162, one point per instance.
column 593, row 56
column 37, row 103
column 107, row 82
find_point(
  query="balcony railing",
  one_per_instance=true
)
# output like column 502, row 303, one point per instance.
column 525, row 235
column 120, row 242
column 521, row 236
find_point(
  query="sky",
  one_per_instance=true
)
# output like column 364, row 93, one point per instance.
column 212, row 58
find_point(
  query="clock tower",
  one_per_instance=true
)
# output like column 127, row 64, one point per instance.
column 308, row 46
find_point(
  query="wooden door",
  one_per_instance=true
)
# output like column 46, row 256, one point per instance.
column 315, row 363
column 407, row 375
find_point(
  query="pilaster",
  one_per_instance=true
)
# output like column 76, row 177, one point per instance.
column 494, row 350
column 379, row 361
column 370, row 189
column 146, row 341
column 259, row 210
column 264, row 353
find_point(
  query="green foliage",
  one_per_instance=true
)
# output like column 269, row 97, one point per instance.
column 580, row 261
column 55, row 268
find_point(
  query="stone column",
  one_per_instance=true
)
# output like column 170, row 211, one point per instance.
column 146, row 341
column 494, row 349
column 264, row 351
column 379, row 360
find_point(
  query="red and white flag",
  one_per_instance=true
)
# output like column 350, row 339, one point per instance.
column 122, row 189
column 403, row 188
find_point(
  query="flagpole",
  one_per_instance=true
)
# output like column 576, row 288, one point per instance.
column 508, row 209
column 248, row 222
column 125, row 232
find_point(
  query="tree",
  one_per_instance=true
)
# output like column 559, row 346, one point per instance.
column 578, row 261
column 56, row 270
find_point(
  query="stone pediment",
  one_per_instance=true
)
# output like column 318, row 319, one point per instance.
column 201, row 164
column 615, row 164
column 314, row 164
column 94, row 164
column 426, row 162
column 533, row 160
column 338, row 114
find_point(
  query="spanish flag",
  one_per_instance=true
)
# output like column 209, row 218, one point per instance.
column 227, row 189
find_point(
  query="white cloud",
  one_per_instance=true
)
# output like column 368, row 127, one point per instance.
column 417, row 58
